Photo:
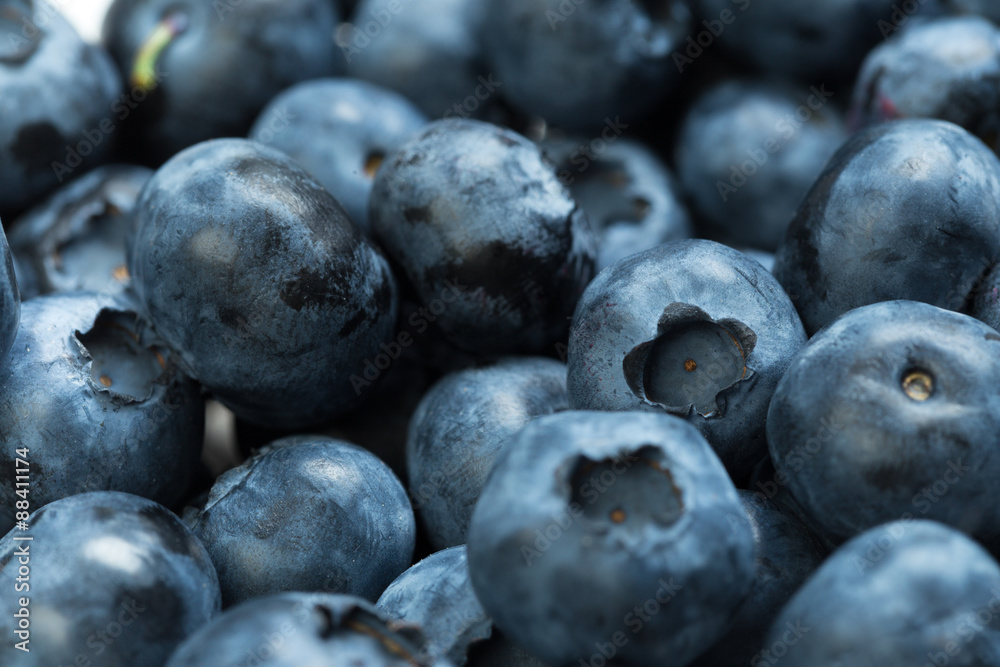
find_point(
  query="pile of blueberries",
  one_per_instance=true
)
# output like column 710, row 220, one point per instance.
column 555, row 332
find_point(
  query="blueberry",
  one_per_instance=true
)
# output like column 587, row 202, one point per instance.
column 114, row 579
column 826, row 38
column 10, row 300
column 461, row 427
column 893, row 410
column 308, row 513
column 75, row 240
column 100, row 403
column 904, row 593
column 56, row 94
column 436, row 595
column 339, row 130
column 493, row 244
column 577, row 64
column 628, row 194
column 300, row 629
column 257, row 277
column 946, row 69
column 904, row 210
column 610, row 529
column 199, row 70
column 786, row 554
column 691, row 328
column 430, row 52
column 763, row 156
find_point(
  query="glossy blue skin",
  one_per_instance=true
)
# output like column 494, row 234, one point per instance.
column 667, row 523
column 309, row 514
column 223, row 69
column 805, row 40
column 904, row 210
column 629, row 195
column 256, row 276
column 859, row 449
column 431, row 53
column 460, row 429
column 114, row 580
column 904, row 593
column 10, row 298
column 753, row 126
column 620, row 316
column 480, row 225
column 302, row 630
column 75, row 240
column 600, row 59
column 53, row 88
column 339, row 129
column 944, row 69
column 142, row 434
column 786, row 554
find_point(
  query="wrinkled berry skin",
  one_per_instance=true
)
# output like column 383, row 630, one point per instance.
column 256, row 276
column 906, row 420
column 307, row 513
column 115, row 578
column 904, row 210
column 691, row 328
column 460, row 428
column 307, row 629
column 216, row 75
column 786, row 554
column 630, row 197
column 804, row 40
column 601, row 59
column 946, row 69
column 339, row 130
column 432, row 56
column 492, row 242
column 588, row 516
column 75, row 240
column 763, row 157
column 10, row 298
column 90, row 390
column 54, row 88
column 903, row 593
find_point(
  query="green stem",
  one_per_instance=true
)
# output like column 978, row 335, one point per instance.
column 163, row 35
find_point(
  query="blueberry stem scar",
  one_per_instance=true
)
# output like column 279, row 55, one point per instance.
column 372, row 163
column 918, row 385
